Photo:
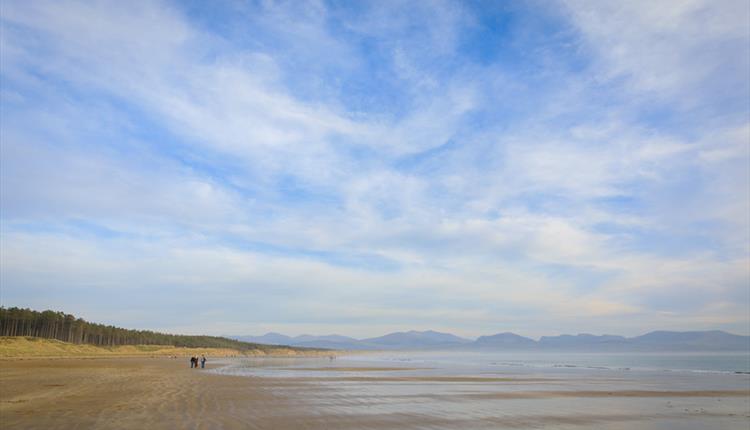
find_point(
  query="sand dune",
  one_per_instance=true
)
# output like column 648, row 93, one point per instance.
column 18, row 347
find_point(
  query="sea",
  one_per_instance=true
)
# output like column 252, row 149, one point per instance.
column 481, row 390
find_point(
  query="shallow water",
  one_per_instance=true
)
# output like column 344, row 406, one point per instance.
column 475, row 390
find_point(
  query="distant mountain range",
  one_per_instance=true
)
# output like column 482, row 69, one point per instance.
column 654, row 341
column 400, row 340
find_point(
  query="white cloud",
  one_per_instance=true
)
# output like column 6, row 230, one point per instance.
column 670, row 48
column 393, row 223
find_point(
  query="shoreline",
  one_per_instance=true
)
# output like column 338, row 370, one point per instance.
column 165, row 393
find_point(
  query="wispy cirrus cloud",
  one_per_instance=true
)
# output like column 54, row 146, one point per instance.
column 366, row 167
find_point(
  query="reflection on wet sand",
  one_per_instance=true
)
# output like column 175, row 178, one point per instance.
column 350, row 369
column 365, row 395
column 164, row 394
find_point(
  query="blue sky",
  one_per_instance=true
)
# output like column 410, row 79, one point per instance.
column 365, row 167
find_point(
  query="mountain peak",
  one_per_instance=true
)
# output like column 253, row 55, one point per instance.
column 659, row 340
column 505, row 339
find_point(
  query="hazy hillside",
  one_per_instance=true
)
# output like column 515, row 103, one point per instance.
column 580, row 340
column 416, row 339
column 692, row 340
column 329, row 344
column 504, row 340
column 267, row 339
column 332, row 341
column 400, row 340
column 653, row 341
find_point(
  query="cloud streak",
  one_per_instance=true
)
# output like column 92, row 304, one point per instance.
column 319, row 167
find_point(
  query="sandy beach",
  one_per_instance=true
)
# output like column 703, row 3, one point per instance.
column 127, row 393
column 375, row 214
column 163, row 393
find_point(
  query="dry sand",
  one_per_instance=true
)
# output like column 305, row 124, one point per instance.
column 162, row 393
column 147, row 393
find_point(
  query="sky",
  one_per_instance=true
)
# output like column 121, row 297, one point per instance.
column 363, row 167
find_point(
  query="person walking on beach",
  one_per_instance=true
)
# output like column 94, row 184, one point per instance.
column 203, row 362
column 193, row 362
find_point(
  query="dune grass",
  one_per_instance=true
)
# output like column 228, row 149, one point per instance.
column 34, row 347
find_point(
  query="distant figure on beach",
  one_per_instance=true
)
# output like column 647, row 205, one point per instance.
column 203, row 362
column 193, row 362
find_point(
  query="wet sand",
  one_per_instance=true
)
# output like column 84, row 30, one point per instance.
column 161, row 393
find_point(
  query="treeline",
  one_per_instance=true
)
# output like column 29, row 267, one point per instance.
column 65, row 327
